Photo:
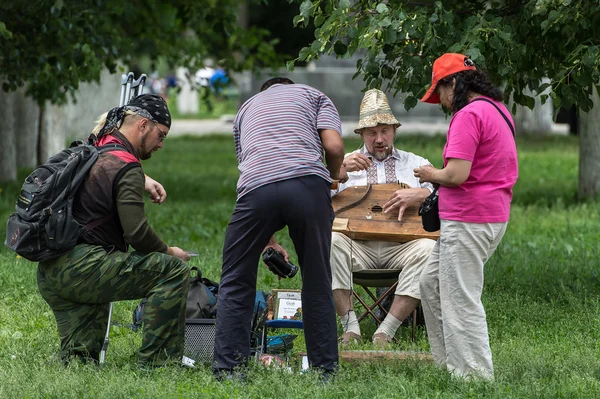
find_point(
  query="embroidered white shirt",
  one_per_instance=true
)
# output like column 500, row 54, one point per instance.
column 405, row 163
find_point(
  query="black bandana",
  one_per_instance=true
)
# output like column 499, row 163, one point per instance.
column 149, row 106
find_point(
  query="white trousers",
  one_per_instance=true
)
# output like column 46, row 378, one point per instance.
column 349, row 256
column 451, row 286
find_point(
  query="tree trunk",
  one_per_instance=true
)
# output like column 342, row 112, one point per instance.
column 8, row 138
column 538, row 120
column 243, row 15
column 187, row 99
column 52, row 137
column 589, row 150
column 27, row 130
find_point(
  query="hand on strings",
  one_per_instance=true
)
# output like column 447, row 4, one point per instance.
column 402, row 199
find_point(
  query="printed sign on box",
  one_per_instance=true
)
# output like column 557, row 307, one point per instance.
column 288, row 305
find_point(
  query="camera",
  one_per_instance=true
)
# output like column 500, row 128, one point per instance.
column 429, row 212
column 277, row 264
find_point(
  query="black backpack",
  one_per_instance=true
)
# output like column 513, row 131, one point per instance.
column 201, row 300
column 43, row 227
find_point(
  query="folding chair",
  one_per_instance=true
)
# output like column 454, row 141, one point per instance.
column 378, row 278
column 273, row 324
column 129, row 88
column 261, row 326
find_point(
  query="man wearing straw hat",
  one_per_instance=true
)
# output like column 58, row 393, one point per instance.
column 379, row 162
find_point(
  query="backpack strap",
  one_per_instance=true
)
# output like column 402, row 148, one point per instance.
column 101, row 150
column 111, row 147
column 512, row 129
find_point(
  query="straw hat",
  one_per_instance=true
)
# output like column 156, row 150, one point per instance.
column 375, row 109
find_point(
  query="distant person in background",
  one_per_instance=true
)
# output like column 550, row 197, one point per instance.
column 203, row 80
column 280, row 136
column 219, row 81
column 480, row 170
column 157, row 85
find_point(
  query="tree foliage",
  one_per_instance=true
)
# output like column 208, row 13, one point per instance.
column 52, row 45
column 516, row 42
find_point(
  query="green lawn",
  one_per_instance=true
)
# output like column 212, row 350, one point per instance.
column 541, row 295
column 209, row 106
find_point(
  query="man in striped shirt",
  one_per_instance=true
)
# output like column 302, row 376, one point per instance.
column 279, row 136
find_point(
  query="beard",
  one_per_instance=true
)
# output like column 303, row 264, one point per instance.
column 144, row 153
column 380, row 153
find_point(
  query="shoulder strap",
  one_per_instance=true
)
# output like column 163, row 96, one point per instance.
column 512, row 129
column 102, row 149
column 111, row 147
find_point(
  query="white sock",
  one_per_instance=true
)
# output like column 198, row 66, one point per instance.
column 389, row 326
column 350, row 322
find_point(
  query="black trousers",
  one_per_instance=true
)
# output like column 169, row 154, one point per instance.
column 304, row 205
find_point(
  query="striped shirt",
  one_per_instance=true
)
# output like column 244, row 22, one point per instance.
column 276, row 135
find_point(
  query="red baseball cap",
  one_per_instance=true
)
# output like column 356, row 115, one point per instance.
column 446, row 65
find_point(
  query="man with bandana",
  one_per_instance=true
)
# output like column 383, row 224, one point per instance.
column 80, row 285
column 378, row 162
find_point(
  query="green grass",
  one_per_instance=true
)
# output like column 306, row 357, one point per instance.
column 541, row 294
column 226, row 104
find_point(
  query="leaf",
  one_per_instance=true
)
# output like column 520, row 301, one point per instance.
column 456, row 48
column 434, row 18
column 5, row 32
column 590, row 57
column 344, row 4
column 384, row 23
column 410, row 102
column 316, row 45
column 474, row 54
column 298, row 19
column 543, row 87
column 585, row 78
column 289, row 66
column 306, row 8
column 387, row 72
column 382, row 8
column 304, row 53
column 340, row 48
column 390, row 36
column 352, row 32
column 528, row 101
column 373, row 68
column 495, row 42
column 319, row 19
column 504, row 70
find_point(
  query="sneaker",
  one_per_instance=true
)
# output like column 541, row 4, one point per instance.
column 187, row 362
column 382, row 339
column 224, row 375
column 326, row 377
column 350, row 337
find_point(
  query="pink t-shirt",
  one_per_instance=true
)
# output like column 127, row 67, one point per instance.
column 478, row 133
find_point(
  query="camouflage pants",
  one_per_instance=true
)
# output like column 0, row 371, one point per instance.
column 79, row 286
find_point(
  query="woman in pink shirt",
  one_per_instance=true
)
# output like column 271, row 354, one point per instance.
column 480, row 170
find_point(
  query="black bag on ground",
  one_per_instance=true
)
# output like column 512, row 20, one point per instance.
column 429, row 212
column 202, row 297
column 42, row 227
column 201, row 300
